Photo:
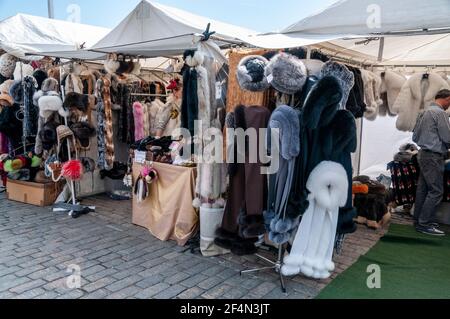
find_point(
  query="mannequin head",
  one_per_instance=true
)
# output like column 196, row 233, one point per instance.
column 443, row 99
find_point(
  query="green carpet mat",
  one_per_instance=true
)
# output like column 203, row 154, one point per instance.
column 412, row 266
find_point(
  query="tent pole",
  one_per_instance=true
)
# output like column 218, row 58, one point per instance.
column 51, row 11
column 381, row 50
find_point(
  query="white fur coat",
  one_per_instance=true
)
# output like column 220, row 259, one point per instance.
column 416, row 94
column 391, row 84
column 372, row 93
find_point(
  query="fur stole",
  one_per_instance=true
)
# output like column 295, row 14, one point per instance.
column 417, row 93
column 105, row 91
column 313, row 247
column 286, row 120
column 138, row 113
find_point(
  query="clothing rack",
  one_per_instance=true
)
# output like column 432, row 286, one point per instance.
column 148, row 94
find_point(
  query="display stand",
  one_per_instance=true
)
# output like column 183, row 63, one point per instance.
column 276, row 265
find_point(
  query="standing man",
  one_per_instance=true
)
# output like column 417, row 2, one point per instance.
column 432, row 134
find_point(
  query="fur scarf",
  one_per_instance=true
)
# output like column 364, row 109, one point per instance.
column 418, row 93
column 138, row 113
column 391, row 84
column 313, row 247
column 372, row 94
column 105, row 125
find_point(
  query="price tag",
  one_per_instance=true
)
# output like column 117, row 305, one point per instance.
column 218, row 91
column 140, row 157
column 270, row 78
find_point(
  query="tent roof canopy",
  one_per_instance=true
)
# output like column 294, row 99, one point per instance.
column 152, row 29
column 415, row 32
column 26, row 34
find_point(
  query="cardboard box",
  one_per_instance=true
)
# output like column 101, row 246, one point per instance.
column 34, row 193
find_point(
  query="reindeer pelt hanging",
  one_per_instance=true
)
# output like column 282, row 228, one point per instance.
column 73, row 83
column 418, row 93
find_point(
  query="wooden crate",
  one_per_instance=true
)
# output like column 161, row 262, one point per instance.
column 33, row 193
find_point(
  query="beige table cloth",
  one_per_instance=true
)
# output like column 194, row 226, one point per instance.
column 168, row 212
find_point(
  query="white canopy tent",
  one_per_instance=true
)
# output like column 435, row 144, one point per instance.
column 153, row 30
column 411, row 32
column 381, row 33
column 23, row 35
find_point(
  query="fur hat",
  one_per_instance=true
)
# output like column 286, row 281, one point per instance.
column 7, row 98
column 40, row 77
column 51, row 103
column 250, row 73
column 48, row 135
column 50, row 84
column 83, row 131
column 286, row 73
column 6, row 86
column 345, row 77
column 16, row 92
column 193, row 58
column 79, row 101
column 22, row 69
column 7, row 65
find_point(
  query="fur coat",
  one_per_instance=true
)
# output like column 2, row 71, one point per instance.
column 327, row 134
column 372, row 94
column 417, row 94
column 356, row 104
column 168, row 116
column 391, row 85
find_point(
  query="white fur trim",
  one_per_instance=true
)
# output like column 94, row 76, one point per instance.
column 50, row 104
column 22, row 69
column 196, row 60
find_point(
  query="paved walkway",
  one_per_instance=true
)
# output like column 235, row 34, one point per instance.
column 119, row 260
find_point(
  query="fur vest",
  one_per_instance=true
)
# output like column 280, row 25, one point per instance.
column 417, row 94
column 168, row 117
column 312, row 250
column 73, row 83
column 391, row 85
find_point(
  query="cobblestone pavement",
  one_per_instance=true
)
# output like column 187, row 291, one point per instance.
column 119, row 260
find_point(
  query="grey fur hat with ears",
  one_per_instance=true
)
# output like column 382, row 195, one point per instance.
column 345, row 77
column 250, row 73
column 286, row 73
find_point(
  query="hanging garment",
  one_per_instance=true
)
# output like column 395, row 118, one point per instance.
column 247, row 191
column 287, row 121
column 312, row 250
column 372, row 94
column 31, row 111
column 405, row 178
column 327, row 134
column 418, row 93
column 139, row 114
column 391, row 85
column 11, row 125
column 3, row 144
column 355, row 103
column 73, row 83
column 168, row 117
